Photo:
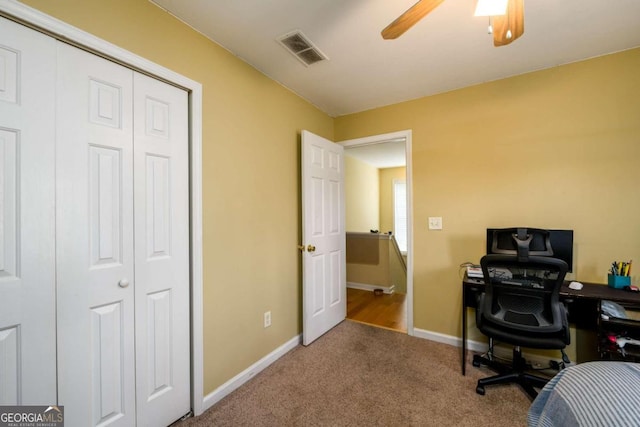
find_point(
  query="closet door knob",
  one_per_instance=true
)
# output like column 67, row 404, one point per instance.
column 123, row 283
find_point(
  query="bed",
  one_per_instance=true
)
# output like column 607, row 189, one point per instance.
column 590, row 394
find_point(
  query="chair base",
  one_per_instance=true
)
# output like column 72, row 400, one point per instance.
column 509, row 374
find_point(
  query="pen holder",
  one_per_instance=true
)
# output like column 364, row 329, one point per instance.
column 619, row 282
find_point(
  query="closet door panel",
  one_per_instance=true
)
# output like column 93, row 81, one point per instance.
column 161, row 251
column 94, row 230
column 27, row 229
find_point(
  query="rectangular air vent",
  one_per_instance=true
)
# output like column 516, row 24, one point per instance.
column 300, row 47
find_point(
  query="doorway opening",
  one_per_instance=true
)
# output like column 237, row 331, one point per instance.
column 379, row 230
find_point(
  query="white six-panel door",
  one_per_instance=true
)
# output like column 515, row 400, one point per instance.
column 161, row 251
column 94, row 236
column 123, row 226
column 324, row 278
column 27, row 250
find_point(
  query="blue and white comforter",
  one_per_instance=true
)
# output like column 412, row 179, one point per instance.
column 599, row 394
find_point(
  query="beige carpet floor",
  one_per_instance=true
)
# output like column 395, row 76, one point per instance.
column 359, row 375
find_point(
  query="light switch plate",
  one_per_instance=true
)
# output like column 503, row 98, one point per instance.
column 435, row 223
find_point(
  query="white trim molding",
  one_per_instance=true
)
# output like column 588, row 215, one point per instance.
column 481, row 347
column 244, row 376
column 449, row 339
column 371, row 288
column 58, row 29
column 372, row 236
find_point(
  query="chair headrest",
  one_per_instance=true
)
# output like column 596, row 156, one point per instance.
column 524, row 242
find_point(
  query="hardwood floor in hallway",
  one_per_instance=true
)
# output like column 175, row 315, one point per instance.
column 386, row 311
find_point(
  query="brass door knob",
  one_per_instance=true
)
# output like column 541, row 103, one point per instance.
column 311, row 248
column 301, row 248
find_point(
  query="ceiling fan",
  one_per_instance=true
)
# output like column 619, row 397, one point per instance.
column 506, row 28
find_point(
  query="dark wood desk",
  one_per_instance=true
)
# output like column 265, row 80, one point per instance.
column 583, row 305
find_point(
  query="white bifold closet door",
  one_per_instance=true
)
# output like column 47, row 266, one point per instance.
column 122, row 242
column 27, row 227
column 161, row 212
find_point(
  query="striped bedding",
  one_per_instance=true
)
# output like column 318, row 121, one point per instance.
column 590, row 394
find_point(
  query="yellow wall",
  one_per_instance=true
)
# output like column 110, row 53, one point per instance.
column 361, row 195
column 386, row 177
column 372, row 274
column 251, row 128
column 558, row 148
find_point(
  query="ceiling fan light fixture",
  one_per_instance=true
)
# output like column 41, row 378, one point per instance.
column 491, row 7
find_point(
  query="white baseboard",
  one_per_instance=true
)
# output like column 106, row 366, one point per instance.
column 371, row 288
column 225, row 389
column 481, row 347
column 450, row 340
column 538, row 361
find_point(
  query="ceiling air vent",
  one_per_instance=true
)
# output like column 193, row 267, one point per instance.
column 300, row 47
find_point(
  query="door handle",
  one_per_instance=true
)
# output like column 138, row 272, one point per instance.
column 311, row 248
column 301, row 248
column 123, row 283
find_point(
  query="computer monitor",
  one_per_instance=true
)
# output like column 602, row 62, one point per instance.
column 561, row 243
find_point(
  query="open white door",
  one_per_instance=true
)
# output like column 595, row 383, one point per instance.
column 324, row 279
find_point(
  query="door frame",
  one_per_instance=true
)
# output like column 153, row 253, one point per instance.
column 379, row 139
column 60, row 30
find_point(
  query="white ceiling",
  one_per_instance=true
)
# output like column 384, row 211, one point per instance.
column 448, row 49
column 387, row 154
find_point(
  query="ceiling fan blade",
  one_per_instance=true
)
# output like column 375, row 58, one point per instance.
column 409, row 18
column 511, row 24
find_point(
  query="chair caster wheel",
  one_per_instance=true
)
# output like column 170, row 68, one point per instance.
column 476, row 361
column 480, row 390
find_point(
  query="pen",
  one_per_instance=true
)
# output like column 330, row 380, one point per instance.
column 627, row 271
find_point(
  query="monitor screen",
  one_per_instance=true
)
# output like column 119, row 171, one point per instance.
column 561, row 243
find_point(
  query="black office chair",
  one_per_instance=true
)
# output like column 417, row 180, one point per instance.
column 521, row 307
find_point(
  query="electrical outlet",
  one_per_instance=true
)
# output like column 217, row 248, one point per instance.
column 267, row 319
column 435, row 223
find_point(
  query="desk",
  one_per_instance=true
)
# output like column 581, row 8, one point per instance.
column 583, row 305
